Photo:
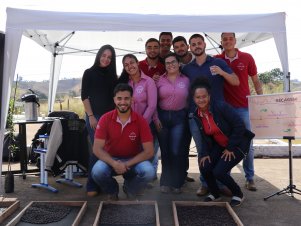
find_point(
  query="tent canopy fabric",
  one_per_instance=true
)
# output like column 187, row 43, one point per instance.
column 49, row 28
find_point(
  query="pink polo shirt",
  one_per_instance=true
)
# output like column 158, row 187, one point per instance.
column 144, row 97
column 173, row 95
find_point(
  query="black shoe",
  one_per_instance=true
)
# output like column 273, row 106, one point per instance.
column 189, row 179
column 237, row 200
column 212, row 198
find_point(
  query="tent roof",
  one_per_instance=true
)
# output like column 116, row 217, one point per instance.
column 52, row 20
column 110, row 28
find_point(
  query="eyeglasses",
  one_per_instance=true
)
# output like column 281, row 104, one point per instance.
column 171, row 63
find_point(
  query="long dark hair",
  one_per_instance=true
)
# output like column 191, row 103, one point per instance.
column 124, row 77
column 112, row 66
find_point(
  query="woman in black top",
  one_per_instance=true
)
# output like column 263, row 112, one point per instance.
column 98, row 83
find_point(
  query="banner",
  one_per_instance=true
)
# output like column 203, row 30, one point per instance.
column 275, row 115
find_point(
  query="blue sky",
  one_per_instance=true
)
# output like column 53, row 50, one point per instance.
column 34, row 62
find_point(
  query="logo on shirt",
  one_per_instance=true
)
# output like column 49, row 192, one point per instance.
column 181, row 85
column 132, row 136
column 139, row 89
column 240, row 66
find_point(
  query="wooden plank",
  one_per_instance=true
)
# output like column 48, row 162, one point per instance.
column 175, row 213
column 146, row 202
column 82, row 204
column 11, row 207
column 193, row 203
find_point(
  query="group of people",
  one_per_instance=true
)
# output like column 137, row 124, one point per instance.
column 165, row 101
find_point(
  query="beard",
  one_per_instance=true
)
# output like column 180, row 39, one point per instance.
column 153, row 57
column 182, row 54
column 123, row 109
column 196, row 53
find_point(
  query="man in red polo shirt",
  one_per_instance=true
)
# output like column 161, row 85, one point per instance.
column 151, row 66
column 244, row 67
column 123, row 144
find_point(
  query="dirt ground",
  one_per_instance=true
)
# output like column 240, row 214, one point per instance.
column 272, row 175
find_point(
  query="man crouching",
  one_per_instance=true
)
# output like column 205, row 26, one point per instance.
column 123, row 144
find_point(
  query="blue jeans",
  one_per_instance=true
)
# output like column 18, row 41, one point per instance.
column 134, row 180
column 197, row 137
column 91, row 185
column 155, row 159
column 248, row 161
column 172, row 144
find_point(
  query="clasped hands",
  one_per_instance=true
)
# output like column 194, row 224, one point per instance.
column 120, row 167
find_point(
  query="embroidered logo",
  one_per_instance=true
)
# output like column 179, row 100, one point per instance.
column 139, row 89
column 241, row 66
column 132, row 136
column 181, row 85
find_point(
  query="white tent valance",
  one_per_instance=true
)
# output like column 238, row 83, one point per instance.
column 46, row 24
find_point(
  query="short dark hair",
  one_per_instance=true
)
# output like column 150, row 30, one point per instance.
column 201, row 82
column 152, row 40
column 123, row 87
column 227, row 32
column 196, row 36
column 165, row 33
column 179, row 39
column 171, row 55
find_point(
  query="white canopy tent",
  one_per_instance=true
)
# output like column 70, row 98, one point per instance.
column 49, row 28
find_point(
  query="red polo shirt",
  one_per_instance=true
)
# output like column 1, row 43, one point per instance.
column 123, row 141
column 243, row 66
column 150, row 70
column 211, row 129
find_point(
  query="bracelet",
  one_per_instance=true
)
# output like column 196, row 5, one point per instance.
column 90, row 115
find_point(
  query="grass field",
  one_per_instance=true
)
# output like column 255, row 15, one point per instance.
column 67, row 104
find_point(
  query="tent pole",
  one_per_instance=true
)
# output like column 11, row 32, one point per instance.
column 211, row 40
column 288, row 77
column 50, row 95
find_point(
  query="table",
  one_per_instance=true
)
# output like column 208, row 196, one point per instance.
column 23, row 144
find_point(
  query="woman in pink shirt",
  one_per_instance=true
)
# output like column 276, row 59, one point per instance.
column 144, row 87
column 172, row 125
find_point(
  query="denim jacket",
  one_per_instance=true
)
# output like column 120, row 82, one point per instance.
column 230, row 123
